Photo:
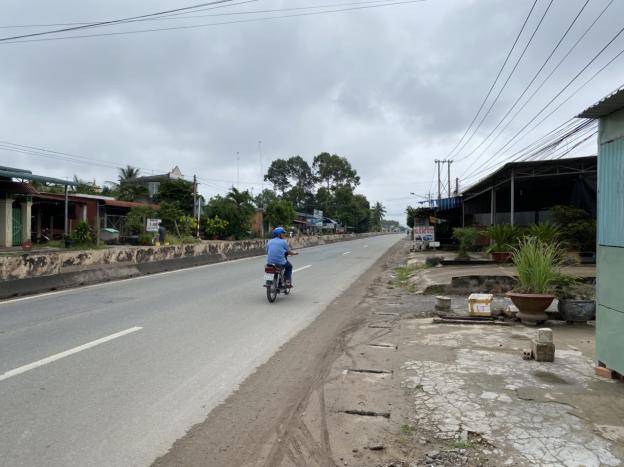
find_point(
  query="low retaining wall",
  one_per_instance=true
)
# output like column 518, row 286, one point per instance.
column 39, row 272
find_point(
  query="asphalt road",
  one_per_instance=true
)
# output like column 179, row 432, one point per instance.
column 113, row 374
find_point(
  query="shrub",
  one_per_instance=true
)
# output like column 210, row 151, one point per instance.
column 82, row 233
column 578, row 228
column 145, row 239
column 503, row 236
column 537, row 264
column 546, row 232
column 466, row 236
column 187, row 225
column 215, row 226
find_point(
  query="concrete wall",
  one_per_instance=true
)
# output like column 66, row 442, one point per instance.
column 54, row 263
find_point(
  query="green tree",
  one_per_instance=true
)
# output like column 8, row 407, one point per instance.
column 84, row 187
column 378, row 211
column 169, row 213
column 265, row 198
column 178, row 192
column 132, row 192
column 137, row 217
column 278, row 174
column 215, row 227
column 280, row 213
column 127, row 174
column 236, row 209
column 332, row 171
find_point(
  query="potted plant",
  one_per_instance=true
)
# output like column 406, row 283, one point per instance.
column 577, row 301
column 466, row 237
column 503, row 237
column 546, row 232
column 537, row 264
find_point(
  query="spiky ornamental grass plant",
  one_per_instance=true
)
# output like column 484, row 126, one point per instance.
column 537, row 264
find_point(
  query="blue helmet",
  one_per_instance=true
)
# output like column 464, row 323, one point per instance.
column 277, row 231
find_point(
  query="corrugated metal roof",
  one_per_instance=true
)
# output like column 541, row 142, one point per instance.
column 39, row 178
column 607, row 105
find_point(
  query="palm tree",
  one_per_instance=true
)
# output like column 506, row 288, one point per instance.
column 378, row 211
column 128, row 173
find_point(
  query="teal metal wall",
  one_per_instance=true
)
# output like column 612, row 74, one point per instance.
column 610, row 266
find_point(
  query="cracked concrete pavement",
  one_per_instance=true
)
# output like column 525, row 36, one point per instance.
column 462, row 394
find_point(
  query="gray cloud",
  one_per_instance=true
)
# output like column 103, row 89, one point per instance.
column 391, row 89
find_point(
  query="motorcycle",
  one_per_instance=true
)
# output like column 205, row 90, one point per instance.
column 274, row 282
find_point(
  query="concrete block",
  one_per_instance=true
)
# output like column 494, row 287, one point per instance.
column 545, row 336
column 543, row 352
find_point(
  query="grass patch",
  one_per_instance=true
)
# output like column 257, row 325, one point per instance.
column 403, row 275
column 459, row 444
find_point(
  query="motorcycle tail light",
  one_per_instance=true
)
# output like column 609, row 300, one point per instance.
column 269, row 270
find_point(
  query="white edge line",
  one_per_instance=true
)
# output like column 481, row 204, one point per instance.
column 302, row 268
column 67, row 353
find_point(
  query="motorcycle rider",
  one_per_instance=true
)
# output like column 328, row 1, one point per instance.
column 277, row 252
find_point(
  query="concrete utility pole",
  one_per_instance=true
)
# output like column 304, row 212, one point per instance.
column 457, row 186
column 448, row 164
column 438, row 162
column 195, row 207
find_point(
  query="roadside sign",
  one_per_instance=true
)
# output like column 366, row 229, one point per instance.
column 152, row 225
column 424, row 233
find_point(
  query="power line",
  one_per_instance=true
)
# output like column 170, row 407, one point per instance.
column 528, row 86
column 487, row 113
column 544, row 81
column 495, row 81
column 222, row 23
column 111, row 22
column 190, row 14
column 561, row 92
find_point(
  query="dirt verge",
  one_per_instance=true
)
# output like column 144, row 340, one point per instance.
column 260, row 424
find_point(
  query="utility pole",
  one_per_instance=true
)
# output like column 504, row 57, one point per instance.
column 195, row 207
column 457, row 186
column 448, row 164
column 438, row 163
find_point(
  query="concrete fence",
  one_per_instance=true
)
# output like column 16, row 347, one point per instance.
column 37, row 272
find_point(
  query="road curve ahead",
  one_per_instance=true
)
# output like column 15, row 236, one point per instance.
column 113, row 374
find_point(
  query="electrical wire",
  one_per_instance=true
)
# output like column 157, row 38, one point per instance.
column 449, row 155
column 222, row 23
column 110, row 22
column 192, row 15
column 489, row 110
column 527, row 87
column 559, row 94
column 544, row 81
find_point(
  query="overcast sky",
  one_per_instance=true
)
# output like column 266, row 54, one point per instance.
column 390, row 88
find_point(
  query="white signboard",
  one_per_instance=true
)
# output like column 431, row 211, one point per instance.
column 424, row 233
column 152, row 225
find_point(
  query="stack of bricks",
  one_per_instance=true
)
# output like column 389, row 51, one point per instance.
column 542, row 347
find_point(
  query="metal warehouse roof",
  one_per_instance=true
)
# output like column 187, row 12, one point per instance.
column 27, row 175
column 607, row 105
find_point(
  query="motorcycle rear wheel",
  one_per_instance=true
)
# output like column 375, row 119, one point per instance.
column 271, row 290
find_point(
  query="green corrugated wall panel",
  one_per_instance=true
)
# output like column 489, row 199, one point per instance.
column 611, row 194
column 610, row 311
column 609, row 338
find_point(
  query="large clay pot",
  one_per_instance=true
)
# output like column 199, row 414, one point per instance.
column 501, row 256
column 531, row 307
column 577, row 310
